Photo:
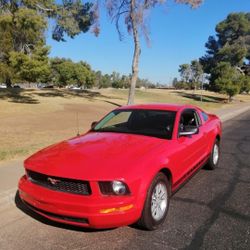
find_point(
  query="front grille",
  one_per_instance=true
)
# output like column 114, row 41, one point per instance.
column 60, row 184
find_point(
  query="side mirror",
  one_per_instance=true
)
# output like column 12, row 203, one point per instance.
column 189, row 131
column 93, row 124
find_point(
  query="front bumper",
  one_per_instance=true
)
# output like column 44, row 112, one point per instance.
column 80, row 210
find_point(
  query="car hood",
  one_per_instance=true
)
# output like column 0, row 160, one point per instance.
column 95, row 156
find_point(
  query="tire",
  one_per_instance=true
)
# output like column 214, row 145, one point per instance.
column 156, row 204
column 214, row 158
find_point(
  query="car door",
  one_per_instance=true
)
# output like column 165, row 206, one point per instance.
column 192, row 148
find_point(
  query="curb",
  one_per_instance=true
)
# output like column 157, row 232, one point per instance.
column 229, row 115
column 7, row 198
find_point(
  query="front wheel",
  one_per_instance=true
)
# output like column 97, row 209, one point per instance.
column 214, row 156
column 156, row 205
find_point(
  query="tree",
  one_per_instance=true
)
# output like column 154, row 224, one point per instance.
column 115, row 80
column 31, row 68
column 185, row 72
column 227, row 79
column 197, row 74
column 98, row 78
column 134, row 13
column 197, row 71
column 22, row 28
column 65, row 72
column 245, row 83
column 145, row 83
column 174, row 82
column 62, row 71
column 125, row 81
column 106, row 81
column 180, row 85
column 191, row 75
column 230, row 50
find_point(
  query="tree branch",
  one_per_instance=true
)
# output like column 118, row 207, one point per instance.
column 240, row 70
column 43, row 8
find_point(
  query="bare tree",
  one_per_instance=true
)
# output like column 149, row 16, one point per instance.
column 134, row 13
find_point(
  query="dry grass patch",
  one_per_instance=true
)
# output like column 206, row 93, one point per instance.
column 32, row 119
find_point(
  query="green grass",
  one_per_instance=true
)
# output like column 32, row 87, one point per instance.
column 12, row 153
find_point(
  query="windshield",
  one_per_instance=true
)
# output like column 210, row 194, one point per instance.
column 157, row 123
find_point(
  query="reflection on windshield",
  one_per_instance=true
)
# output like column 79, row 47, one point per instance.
column 157, row 123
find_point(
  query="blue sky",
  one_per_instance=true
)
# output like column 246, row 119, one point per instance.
column 178, row 35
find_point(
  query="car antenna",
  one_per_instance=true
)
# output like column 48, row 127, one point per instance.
column 77, row 124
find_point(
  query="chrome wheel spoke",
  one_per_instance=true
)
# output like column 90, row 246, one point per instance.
column 162, row 197
column 159, row 201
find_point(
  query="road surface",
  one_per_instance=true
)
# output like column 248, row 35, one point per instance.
column 212, row 211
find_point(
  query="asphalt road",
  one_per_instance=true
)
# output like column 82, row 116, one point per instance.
column 212, row 211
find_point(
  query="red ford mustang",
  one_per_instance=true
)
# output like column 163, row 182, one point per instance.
column 125, row 169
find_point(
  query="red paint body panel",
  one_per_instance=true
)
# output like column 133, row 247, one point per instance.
column 133, row 159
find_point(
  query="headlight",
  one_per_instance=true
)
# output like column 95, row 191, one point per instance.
column 113, row 188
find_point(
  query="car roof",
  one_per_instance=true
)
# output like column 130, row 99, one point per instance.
column 158, row 106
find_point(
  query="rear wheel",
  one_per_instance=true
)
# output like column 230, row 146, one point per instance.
column 214, row 156
column 156, row 205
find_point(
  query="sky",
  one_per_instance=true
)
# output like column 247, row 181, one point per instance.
column 178, row 35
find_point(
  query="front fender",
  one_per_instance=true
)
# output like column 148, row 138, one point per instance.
column 146, row 181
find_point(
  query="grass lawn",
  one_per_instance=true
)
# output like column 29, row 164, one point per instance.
column 32, row 119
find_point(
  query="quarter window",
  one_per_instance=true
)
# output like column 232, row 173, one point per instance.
column 205, row 116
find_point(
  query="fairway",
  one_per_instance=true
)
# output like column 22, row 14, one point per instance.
column 32, row 119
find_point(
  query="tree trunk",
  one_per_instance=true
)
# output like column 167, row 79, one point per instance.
column 8, row 82
column 136, row 55
column 230, row 98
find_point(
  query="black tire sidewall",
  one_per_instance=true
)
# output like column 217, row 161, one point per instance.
column 211, row 164
column 148, row 221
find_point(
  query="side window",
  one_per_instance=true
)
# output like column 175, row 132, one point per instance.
column 189, row 118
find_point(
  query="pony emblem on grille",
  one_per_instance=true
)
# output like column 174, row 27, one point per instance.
column 53, row 181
